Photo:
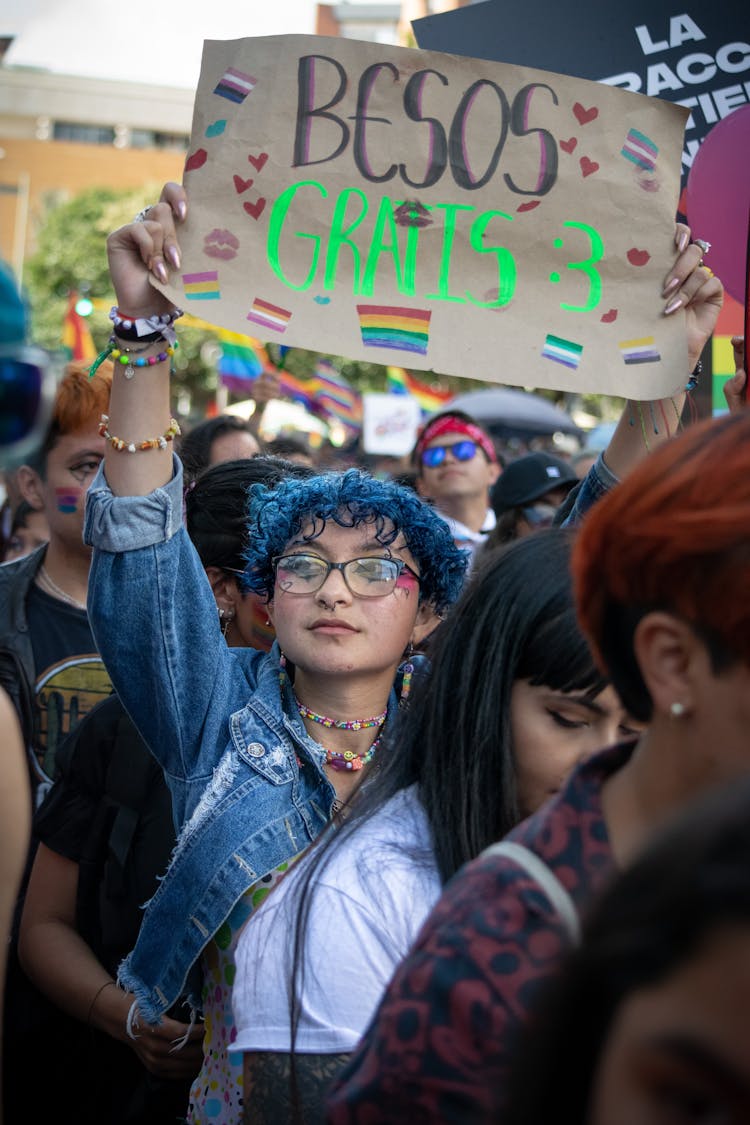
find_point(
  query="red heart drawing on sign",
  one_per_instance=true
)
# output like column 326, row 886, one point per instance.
column 255, row 209
column 568, row 146
column 241, row 185
column 258, row 161
column 583, row 116
column 529, row 206
column 609, row 317
column 588, row 167
column 196, row 160
column 638, row 257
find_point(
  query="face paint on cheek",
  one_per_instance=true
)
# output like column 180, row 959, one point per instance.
column 67, row 500
column 406, row 581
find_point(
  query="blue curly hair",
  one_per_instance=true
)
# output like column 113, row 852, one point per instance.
column 276, row 515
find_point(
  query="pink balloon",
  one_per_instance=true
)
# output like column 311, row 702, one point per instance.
column 718, row 198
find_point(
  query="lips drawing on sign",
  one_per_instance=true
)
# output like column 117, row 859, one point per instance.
column 258, row 161
column 241, row 185
column 196, row 160
column 609, row 317
column 255, row 209
column 568, row 146
column 588, row 167
column 532, row 203
column 583, row 116
column 638, row 257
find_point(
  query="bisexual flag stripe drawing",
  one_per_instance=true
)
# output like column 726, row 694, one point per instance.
column 202, row 286
column 562, row 351
column 235, row 85
column 386, row 326
column 640, row 149
column 639, row 351
column 268, row 315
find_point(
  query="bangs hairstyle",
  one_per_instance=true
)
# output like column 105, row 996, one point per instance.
column 79, row 403
column 674, row 536
column 350, row 499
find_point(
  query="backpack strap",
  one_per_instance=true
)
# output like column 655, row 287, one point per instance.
column 539, row 871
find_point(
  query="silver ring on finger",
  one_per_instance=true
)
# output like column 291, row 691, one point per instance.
column 143, row 215
column 705, row 246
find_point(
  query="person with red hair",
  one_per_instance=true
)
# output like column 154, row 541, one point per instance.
column 662, row 585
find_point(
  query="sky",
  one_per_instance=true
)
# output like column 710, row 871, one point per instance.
column 140, row 40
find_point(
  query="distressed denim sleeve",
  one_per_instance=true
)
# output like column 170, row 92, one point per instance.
column 154, row 619
column 597, row 483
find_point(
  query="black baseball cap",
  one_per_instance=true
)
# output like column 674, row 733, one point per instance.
column 528, row 479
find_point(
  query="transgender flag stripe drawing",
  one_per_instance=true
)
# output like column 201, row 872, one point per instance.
column 640, row 149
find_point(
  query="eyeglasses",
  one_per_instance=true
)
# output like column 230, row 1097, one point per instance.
column 370, row 577
column 28, row 378
column 462, row 451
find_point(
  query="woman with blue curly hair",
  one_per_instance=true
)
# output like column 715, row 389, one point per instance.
column 258, row 749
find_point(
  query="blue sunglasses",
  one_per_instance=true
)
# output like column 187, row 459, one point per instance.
column 28, row 379
column 462, row 451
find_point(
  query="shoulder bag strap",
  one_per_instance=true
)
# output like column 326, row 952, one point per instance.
column 547, row 880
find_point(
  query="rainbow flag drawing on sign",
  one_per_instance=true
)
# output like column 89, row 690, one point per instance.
column 639, row 351
column 389, row 326
column 242, row 360
column 268, row 315
column 562, row 351
column 235, row 85
column 336, row 396
column 640, row 150
column 401, row 382
column 202, row 286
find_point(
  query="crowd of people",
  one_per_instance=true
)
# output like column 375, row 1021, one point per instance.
column 352, row 792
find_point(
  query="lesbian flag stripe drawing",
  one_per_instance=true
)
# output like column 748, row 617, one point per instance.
column 402, row 382
column 386, row 326
column 235, row 85
column 639, row 351
column 269, row 316
column 202, row 286
column 640, row 149
column 562, row 351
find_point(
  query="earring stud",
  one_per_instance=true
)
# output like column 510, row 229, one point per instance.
column 677, row 709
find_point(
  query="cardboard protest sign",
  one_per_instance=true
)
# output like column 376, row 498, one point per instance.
column 406, row 207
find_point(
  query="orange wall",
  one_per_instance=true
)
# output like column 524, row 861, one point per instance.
column 62, row 166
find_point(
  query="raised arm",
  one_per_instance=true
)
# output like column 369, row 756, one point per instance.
column 140, row 406
column 692, row 287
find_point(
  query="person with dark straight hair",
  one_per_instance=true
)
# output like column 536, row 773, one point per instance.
column 223, row 438
column 662, row 587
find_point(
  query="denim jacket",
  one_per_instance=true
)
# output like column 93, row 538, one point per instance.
column 248, row 785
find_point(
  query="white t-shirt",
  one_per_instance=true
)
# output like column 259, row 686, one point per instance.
column 366, row 909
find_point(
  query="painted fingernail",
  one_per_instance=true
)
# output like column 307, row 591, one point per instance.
column 182, row 209
column 174, row 257
column 673, row 306
column 671, row 285
column 161, row 273
column 682, row 244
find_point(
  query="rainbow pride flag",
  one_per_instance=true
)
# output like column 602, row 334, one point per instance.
column 299, row 389
column 401, row 382
column 337, row 397
column 242, row 360
column 76, row 337
column 389, row 326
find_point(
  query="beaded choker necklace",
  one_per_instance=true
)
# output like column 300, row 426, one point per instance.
column 340, row 724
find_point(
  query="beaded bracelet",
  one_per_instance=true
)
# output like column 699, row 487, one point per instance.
column 122, row 446
column 695, row 375
column 121, row 355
